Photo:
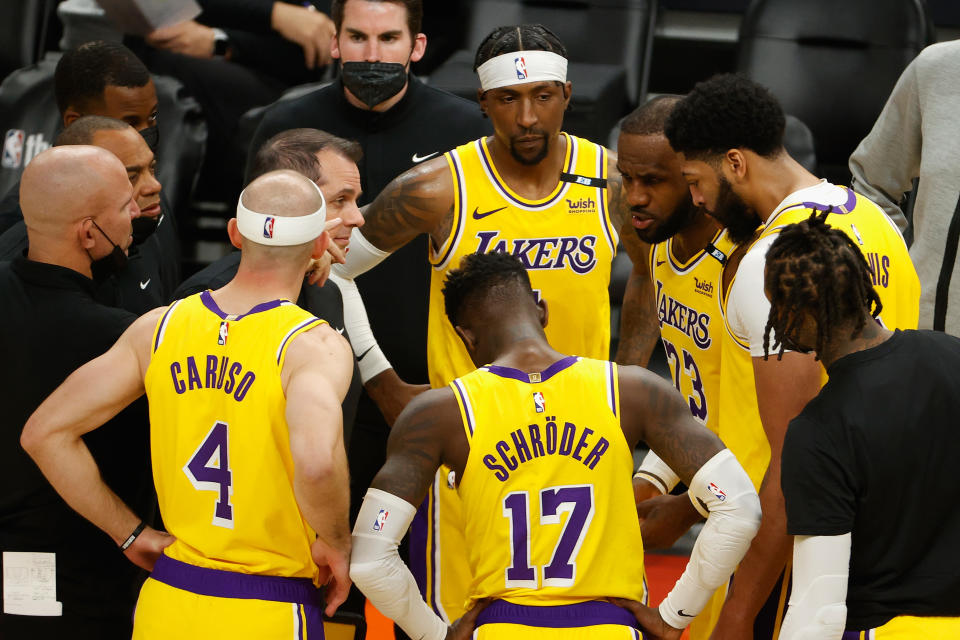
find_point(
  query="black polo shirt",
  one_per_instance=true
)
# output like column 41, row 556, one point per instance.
column 50, row 326
column 874, row 455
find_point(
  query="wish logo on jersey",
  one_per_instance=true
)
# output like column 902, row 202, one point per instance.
column 577, row 253
column 582, row 205
column 681, row 317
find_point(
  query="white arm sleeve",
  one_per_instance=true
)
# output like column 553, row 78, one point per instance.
column 818, row 599
column 656, row 472
column 361, row 257
column 370, row 359
column 378, row 571
column 721, row 491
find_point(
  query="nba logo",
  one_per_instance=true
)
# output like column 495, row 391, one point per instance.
column 381, row 520
column 222, row 338
column 268, row 227
column 538, row 402
column 521, row 66
column 12, row 149
column 717, row 492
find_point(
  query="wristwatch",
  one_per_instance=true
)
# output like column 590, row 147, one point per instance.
column 221, row 43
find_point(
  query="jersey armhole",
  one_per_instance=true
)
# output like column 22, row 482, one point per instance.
column 440, row 257
column 288, row 338
column 161, row 329
column 612, row 380
column 611, row 233
column 467, row 417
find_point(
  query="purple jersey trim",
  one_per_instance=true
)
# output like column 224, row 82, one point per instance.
column 505, row 190
column 229, row 584
column 466, row 404
column 582, row 614
column 293, row 332
column 611, row 383
column 523, row 376
column 211, row 304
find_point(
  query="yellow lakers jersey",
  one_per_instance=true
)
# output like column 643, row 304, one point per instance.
column 565, row 241
column 219, row 439
column 546, row 492
column 894, row 278
column 691, row 321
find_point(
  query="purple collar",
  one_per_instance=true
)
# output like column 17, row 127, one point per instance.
column 523, row 376
column 212, row 305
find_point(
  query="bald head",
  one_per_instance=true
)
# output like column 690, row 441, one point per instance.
column 282, row 193
column 65, row 184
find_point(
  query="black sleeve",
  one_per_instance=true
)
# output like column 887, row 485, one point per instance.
column 247, row 15
column 817, row 480
column 271, row 55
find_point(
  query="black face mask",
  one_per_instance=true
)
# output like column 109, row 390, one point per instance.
column 143, row 227
column 374, row 82
column 151, row 135
column 113, row 262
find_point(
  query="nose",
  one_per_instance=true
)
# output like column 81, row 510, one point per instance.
column 151, row 185
column 371, row 52
column 697, row 196
column 527, row 116
column 352, row 216
column 637, row 196
column 134, row 209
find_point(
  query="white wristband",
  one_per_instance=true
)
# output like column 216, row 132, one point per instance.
column 657, row 472
column 370, row 359
column 361, row 257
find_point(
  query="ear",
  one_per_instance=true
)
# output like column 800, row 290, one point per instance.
column 482, row 100
column 69, row 116
column 234, row 233
column 86, row 234
column 419, row 47
column 567, row 93
column 335, row 46
column 735, row 163
column 469, row 340
column 320, row 245
column 543, row 312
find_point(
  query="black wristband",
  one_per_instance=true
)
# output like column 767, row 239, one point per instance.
column 133, row 536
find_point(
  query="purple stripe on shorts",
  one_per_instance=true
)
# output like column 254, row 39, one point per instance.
column 230, row 584
column 582, row 614
column 418, row 546
column 851, row 635
column 523, row 376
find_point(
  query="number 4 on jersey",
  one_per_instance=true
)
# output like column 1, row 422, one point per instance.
column 209, row 470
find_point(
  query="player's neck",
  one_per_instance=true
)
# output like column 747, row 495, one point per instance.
column 531, row 181
column 842, row 345
column 694, row 237
column 521, row 345
column 776, row 179
column 252, row 287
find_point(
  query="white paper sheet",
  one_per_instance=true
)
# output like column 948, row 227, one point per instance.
column 140, row 17
column 30, row 584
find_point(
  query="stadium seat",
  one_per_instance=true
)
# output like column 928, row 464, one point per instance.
column 608, row 43
column 31, row 122
column 23, row 32
column 832, row 64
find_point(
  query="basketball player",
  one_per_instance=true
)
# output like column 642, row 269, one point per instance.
column 730, row 131
column 686, row 257
column 858, row 565
column 542, row 444
column 549, row 198
column 246, row 437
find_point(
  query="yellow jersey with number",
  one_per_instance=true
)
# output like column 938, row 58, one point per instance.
column 547, row 498
column 894, row 278
column 566, row 241
column 219, row 437
column 691, row 321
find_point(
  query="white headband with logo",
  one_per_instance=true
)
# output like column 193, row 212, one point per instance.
column 281, row 231
column 519, row 67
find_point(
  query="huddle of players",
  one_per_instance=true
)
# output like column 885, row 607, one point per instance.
column 535, row 430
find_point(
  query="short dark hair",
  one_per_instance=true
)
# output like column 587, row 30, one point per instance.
column 815, row 268
column 477, row 275
column 519, row 37
column 650, row 118
column 728, row 111
column 414, row 13
column 82, row 130
column 297, row 149
column 83, row 73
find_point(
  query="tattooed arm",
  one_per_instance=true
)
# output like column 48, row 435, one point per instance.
column 419, row 200
column 639, row 325
column 429, row 431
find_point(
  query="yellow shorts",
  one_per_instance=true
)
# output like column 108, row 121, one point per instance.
column 911, row 628
column 208, row 604
column 594, row 620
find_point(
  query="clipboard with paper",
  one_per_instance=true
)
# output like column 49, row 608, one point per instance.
column 141, row 17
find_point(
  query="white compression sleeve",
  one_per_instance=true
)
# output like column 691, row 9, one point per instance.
column 361, row 257
column 818, row 597
column 721, row 491
column 656, row 472
column 378, row 571
column 370, row 359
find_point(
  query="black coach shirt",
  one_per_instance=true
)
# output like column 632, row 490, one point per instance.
column 50, row 326
column 424, row 124
column 875, row 454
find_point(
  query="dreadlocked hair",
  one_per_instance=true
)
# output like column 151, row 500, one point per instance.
column 521, row 37
column 815, row 268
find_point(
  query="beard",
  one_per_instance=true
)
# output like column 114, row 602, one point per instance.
column 733, row 213
column 538, row 157
column 677, row 221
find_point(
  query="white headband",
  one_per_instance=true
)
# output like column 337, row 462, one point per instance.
column 281, row 231
column 518, row 67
